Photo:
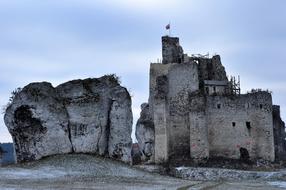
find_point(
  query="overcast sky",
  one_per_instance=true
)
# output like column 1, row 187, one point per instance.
column 57, row 41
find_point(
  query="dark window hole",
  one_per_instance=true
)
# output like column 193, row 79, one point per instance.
column 248, row 125
column 244, row 154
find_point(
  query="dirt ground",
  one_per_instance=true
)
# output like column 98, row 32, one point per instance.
column 89, row 172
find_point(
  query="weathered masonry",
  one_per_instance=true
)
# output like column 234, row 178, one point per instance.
column 194, row 111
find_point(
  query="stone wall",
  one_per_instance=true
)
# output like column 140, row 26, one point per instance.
column 199, row 142
column 210, row 68
column 183, row 80
column 279, row 134
column 236, row 122
column 156, row 70
column 170, row 85
column 161, row 136
column 206, row 125
column 157, row 108
column 172, row 52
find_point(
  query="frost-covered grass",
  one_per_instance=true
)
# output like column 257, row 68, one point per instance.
column 82, row 171
column 78, row 171
column 215, row 174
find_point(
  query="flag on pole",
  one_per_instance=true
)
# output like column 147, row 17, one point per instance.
column 168, row 26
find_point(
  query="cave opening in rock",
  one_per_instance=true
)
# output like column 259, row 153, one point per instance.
column 23, row 114
column 244, row 154
column 27, row 124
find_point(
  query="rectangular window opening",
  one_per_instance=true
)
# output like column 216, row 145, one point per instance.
column 233, row 124
column 248, row 125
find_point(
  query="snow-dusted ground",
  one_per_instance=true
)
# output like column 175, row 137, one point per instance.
column 281, row 184
column 215, row 174
column 88, row 172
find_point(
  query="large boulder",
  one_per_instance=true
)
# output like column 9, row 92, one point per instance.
column 88, row 105
column 120, row 117
column 38, row 122
column 81, row 116
column 145, row 134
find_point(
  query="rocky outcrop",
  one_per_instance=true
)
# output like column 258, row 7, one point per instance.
column 145, row 134
column 120, row 142
column 81, row 116
column 38, row 123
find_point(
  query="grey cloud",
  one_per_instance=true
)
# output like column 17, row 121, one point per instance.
column 60, row 40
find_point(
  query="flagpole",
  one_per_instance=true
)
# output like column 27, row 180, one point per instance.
column 170, row 29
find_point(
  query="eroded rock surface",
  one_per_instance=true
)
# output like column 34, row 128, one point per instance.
column 120, row 117
column 38, row 123
column 81, row 116
column 145, row 133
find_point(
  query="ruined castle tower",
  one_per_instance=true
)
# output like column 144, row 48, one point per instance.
column 172, row 52
column 195, row 112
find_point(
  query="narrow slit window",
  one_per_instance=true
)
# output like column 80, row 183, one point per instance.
column 233, row 124
column 207, row 90
column 218, row 106
column 248, row 125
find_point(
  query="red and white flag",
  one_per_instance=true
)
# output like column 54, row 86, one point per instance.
column 168, row 26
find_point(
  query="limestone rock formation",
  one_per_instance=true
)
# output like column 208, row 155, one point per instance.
column 120, row 117
column 145, row 133
column 81, row 116
column 38, row 123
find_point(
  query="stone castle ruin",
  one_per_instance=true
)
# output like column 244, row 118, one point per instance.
column 195, row 112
